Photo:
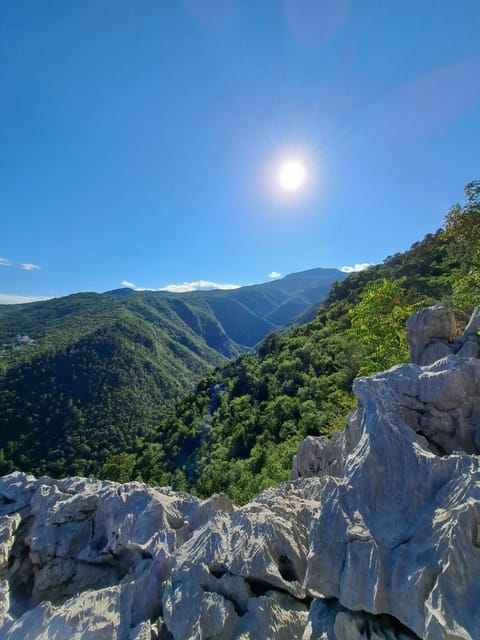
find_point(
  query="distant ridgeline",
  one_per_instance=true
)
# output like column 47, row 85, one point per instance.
column 92, row 388
column 82, row 377
column 238, row 431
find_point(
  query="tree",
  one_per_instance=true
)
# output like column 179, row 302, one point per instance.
column 378, row 326
column 462, row 223
column 118, row 468
column 462, row 227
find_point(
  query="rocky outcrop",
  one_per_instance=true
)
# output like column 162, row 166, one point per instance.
column 432, row 334
column 323, row 456
column 376, row 536
column 89, row 558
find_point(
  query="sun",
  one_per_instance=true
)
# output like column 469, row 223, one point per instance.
column 292, row 174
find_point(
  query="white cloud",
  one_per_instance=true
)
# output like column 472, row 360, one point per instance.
column 28, row 266
column 357, row 267
column 6, row 298
column 198, row 285
column 185, row 287
column 274, row 274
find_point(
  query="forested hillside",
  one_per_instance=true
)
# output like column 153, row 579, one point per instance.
column 82, row 377
column 240, row 428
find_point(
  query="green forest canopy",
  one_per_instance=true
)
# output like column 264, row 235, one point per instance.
column 241, row 427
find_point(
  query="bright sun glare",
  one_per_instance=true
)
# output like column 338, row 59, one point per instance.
column 292, row 174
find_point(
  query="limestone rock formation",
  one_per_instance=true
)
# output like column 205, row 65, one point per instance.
column 432, row 334
column 376, row 536
column 89, row 558
column 432, row 327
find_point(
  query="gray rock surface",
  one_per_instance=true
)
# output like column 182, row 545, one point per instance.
column 88, row 559
column 377, row 535
column 320, row 455
column 433, row 325
column 473, row 327
column 432, row 335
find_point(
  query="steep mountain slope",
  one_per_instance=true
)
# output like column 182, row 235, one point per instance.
column 92, row 383
column 82, row 377
column 244, row 315
column 239, row 430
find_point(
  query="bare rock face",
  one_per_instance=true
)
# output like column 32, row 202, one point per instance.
column 473, row 327
column 320, row 455
column 432, row 335
column 429, row 332
column 89, row 558
column 377, row 536
column 401, row 512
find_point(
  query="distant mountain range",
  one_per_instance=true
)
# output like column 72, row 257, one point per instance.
column 242, row 317
column 238, row 431
column 82, row 376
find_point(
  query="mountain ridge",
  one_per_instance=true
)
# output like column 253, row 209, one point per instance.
column 237, row 432
column 91, row 372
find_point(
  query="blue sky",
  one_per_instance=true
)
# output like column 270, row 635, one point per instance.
column 139, row 140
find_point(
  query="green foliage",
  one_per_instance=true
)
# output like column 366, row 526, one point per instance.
column 94, row 394
column 297, row 384
column 466, row 290
column 98, row 371
column 462, row 224
column 98, row 375
column 118, row 468
column 378, row 326
column 463, row 229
